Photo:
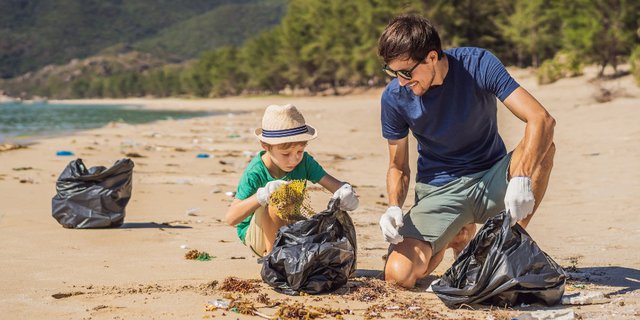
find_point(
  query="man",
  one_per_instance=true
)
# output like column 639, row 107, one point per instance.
column 465, row 176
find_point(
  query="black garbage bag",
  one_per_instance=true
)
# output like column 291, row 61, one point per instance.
column 501, row 266
column 92, row 198
column 313, row 256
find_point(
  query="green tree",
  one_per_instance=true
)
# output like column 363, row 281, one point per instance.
column 600, row 30
column 530, row 29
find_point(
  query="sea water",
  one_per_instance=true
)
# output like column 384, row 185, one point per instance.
column 20, row 121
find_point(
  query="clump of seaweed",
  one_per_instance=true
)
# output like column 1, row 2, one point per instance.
column 291, row 201
column 234, row 284
column 197, row 255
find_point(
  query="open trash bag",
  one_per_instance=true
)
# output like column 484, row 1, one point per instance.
column 501, row 266
column 92, row 198
column 314, row 256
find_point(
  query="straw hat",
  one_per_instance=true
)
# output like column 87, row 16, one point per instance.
column 282, row 124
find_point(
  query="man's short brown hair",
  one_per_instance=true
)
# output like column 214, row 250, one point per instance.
column 409, row 35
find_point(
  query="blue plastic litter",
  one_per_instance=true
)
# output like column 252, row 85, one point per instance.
column 64, row 153
column 202, row 155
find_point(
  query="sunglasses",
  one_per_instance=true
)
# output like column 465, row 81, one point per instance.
column 406, row 74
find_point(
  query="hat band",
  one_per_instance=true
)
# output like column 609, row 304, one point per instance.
column 284, row 132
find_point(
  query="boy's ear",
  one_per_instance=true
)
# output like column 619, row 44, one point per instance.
column 265, row 146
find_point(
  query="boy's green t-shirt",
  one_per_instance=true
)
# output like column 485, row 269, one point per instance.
column 256, row 176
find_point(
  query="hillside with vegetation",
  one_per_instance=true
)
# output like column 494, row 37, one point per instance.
column 321, row 46
column 37, row 33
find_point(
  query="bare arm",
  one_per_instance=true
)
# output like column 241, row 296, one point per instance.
column 330, row 183
column 399, row 173
column 538, row 134
column 241, row 209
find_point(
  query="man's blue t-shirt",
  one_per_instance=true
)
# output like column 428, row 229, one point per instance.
column 455, row 123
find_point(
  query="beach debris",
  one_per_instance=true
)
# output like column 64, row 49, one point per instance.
column 133, row 155
column 291, row 201
column 234, row 284
column 243, row 306
column 66, row 294
column 192, row 211
column 264, row 299
column 64, row 153
column 248, row 154
column 178, row 149
column 221, row 303
column 298, row 310
column 202, row 155
column 230, row 193
column 194, row 254
column 563, row 314
column 368, row 289
column 183, row 181
column 582, row 298
column 184, row 246
column 233, row 136
column 10, row 146
column 22, row 168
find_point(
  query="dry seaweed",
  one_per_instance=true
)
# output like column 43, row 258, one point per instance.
column 264, row 299
column 291, row 201
column 367, row 289
column 234, row 284
column 299, row 310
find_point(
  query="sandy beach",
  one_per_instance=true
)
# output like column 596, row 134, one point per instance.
column 588, row 221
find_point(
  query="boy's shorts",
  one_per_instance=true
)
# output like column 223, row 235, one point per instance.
column 255, row 239
column 441, row 212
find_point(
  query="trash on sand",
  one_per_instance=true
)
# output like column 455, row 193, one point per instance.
column 93, row 197
column 193, row 211
column 230, row 194
column 327, row 246
column 220, row 303
column 564, row 314
column 64, row 153
column 590, row 297
column 183, row 181
column 197, row 255
column 496, row 265
column 184, row 246
column 202, row 155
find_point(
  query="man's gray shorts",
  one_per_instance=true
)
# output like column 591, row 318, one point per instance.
column 440, row 212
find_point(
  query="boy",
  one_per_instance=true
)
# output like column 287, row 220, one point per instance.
column 283, row 136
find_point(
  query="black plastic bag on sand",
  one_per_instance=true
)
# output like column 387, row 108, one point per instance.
column 501, row 266
column 313, row 256
column 93, row 198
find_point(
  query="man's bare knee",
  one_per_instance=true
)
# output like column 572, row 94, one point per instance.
column 408, row 262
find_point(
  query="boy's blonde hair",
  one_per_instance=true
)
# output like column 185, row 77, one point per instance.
column 284, row 146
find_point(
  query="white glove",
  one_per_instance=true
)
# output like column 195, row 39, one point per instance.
column 519, row 200
column 390, row 222
column 348, row 198
column 263, row 194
